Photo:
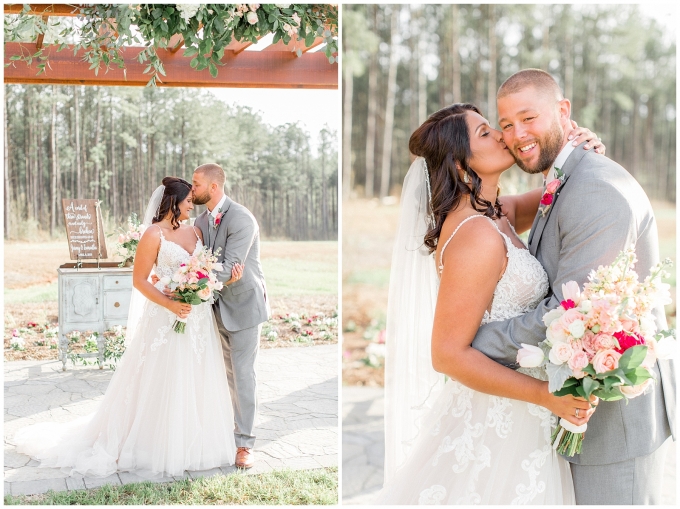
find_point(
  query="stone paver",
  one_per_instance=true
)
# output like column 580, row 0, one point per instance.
column 297, row 425
column 363, row 448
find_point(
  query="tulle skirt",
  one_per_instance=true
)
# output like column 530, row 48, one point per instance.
column 482, row 449
column 167, row 408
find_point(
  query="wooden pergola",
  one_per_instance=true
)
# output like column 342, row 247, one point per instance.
column 276, row 66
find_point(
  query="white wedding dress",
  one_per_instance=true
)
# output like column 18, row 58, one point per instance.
column 167, row 408
column 475, row 448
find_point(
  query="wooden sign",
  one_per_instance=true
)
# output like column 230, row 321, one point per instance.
column 84, row 229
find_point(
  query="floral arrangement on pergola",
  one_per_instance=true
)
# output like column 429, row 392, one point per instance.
column 205, row 31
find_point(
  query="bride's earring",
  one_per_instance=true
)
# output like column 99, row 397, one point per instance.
column 466, row 177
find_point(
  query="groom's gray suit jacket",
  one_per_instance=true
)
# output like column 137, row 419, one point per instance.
column 242, row 304
column 598, row 211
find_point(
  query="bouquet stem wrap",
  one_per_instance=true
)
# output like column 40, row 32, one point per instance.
column 180, row 325
column 568, row 438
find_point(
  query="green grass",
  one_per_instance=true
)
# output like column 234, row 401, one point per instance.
column 288, row 276
column 37, row 293
column 283, row 487
column 375, row 277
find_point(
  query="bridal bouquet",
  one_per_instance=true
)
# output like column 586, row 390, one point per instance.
column 603, row 340
column 128, row 239
column 194, row 282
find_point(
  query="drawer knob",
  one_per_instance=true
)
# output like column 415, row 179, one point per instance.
column 116, row 305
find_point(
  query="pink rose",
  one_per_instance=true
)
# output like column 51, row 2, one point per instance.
column 552, row 186
column 547, row 199
column 605, row 342
column 606, row 360
column 590, row 343
column 204, row 294
column 578, row 361
column 569, row 317
column 121, row 239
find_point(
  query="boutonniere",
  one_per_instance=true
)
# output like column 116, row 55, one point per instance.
column 218, row 219
column 550, row 190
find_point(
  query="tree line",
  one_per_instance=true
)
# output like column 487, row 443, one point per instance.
column 115, row 144
column 404, row 62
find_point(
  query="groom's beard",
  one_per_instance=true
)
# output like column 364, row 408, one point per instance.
column 550, row 145
column 201, row 199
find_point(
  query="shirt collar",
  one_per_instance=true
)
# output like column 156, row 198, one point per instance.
column 559, row 162
column 213, row 212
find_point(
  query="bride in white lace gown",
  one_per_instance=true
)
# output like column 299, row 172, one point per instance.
column 167, row 408
column 484, row 436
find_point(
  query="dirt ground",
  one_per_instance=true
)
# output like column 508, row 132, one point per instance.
column 298, row 320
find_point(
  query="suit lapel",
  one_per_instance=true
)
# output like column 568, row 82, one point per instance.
column 225, row 208
column 540, row 221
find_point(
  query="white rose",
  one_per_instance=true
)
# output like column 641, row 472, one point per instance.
column 586, row 306
column 577, row 329
column 555, row 334
column 666, row 348
column 552, row 315
column 166, row 280
column 560, row 353
column 282, row 6
column 251, row 17
column 530, row 356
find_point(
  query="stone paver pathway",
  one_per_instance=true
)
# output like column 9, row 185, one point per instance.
column 297, row 425
column 363, row 448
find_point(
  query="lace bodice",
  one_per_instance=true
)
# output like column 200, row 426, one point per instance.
column 171, row 255
column 523, row 285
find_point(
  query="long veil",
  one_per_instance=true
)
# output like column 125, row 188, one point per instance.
column 137, row 300
column 411, row 384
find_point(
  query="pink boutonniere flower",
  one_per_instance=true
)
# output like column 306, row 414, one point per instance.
column 218, row 219
column 549, row 194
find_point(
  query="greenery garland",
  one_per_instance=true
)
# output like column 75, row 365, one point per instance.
column 207, row 29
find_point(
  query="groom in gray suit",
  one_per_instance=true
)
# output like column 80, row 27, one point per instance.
column 598, row 210
column 242, row 306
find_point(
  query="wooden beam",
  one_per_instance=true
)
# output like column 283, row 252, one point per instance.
column 42, row 9
column 294, row 44
column 249, row 69
column 41, row 37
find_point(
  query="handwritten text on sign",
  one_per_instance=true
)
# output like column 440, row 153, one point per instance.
column 84, row 229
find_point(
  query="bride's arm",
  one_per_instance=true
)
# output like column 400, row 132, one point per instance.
column 471, row 271
column 145, row 257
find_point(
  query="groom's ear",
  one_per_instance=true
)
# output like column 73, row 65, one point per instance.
column 564, row 108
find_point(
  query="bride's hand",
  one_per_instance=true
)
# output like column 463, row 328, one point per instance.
column 568, row 406
column 236, row 272
column 181, row 309
column 581, row 134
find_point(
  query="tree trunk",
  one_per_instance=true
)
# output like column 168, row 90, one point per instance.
column 493, row 61
column 79, row 184
column 347, row 89
column 371, row 115
column 6, row 173
column 54, row 189
column 389, row 107
column 97, row 129
column 114, row 176
column 455, row 54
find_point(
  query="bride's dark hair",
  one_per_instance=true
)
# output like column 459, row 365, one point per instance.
column 444, row 140
column 176, row 191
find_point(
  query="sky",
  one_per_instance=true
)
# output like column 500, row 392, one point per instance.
column 312, row 108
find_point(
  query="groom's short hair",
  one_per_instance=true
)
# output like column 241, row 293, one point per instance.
column 213, row 172
column 537, row 78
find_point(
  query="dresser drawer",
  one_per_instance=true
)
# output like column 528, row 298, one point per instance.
column 117, row 282
column 116, row 303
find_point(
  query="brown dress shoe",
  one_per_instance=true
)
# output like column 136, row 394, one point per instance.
column 245, row 457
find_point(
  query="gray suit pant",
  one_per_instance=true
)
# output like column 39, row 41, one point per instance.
column 635, row 481
column 240, row 352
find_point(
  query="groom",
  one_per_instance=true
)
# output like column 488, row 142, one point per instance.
column 597, row 211
column 242, row 307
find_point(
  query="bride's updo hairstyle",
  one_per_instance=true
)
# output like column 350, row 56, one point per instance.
column 176, row 191
column 444, row 140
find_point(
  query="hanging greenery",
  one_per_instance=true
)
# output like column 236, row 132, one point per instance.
column 103, row 30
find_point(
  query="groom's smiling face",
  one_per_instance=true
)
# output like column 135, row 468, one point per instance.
column 531, row 123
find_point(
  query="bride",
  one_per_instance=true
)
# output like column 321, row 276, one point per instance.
column 483, row 437
column 167, row 408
